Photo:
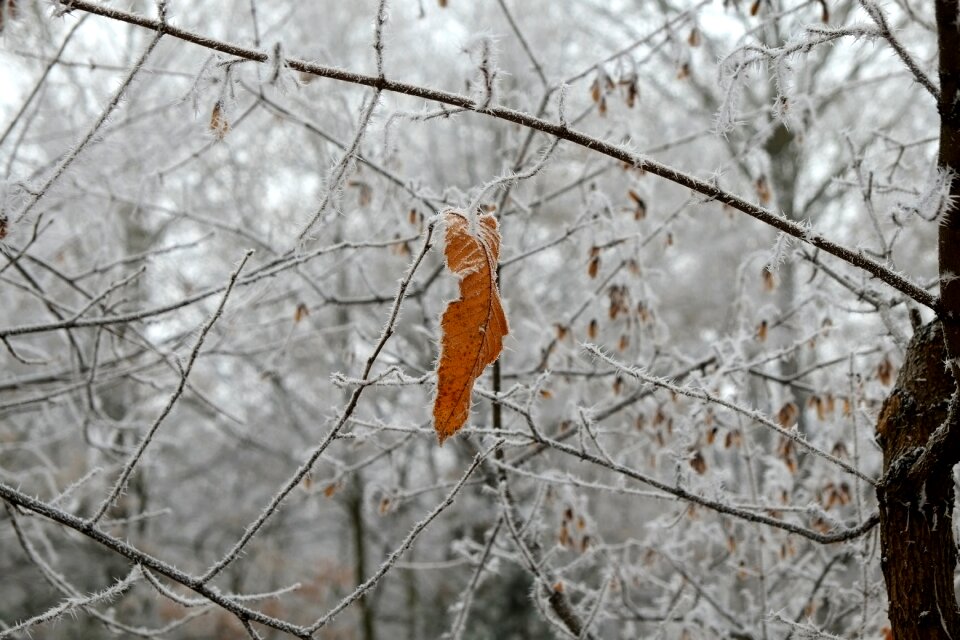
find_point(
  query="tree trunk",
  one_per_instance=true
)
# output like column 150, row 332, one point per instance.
column 919, row 428
column 355, row 508
column 948, row 27
column 784, row 167
column 918, row 554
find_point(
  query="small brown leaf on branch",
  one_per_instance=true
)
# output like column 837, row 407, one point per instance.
column 698, row 462
column 763, row 190
column 218, row 121
column 364, row 192
column 595, row 90
column 885, row 372
column 762, row 330
column 633, row 93
column 593, row 268
column 788, row 414
column 640, row 210
column 473, row 326
column 8, row 11
column 769, row 280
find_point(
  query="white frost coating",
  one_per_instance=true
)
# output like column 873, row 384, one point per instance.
column 780, row 252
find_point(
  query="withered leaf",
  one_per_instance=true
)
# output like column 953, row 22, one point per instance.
column 592, row 329
column 698, row 463
column 301, row 312
column 885, row 372
column 218, row 121
column 769, row 280
column 8, row 11
column 762, row 330
column 763, row 190
column 595, row 91
column 633, row 92
column 788, row 414
column 640, row 210
column 364, row 191
column 474, row 325
column 593, row 268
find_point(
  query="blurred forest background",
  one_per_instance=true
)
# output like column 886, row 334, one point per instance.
column 686, row 398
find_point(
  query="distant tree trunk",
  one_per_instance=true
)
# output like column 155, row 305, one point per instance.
column 784, row 167
column 355, row 508
column 918, row 551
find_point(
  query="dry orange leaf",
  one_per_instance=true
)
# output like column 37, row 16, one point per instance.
column 474, row 325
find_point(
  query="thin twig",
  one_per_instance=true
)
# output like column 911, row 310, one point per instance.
column 37, row 194
column 121, row 482
column 344, row 417
column 370, row 582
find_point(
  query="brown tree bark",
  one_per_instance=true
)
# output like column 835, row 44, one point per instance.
column 918, row 553
column 919, row 426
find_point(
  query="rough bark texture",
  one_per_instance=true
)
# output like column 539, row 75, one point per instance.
column 916, row 514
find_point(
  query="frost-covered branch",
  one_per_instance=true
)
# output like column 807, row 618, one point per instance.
column 704, row 187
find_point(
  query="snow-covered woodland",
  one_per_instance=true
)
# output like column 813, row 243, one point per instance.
column 223, row 226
